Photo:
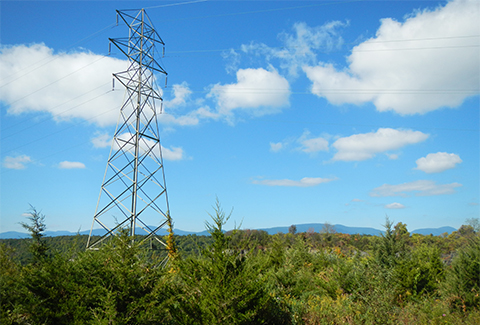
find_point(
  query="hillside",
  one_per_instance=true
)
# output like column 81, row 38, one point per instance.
column 315, row 227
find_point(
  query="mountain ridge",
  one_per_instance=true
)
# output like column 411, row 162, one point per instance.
column 315, row 227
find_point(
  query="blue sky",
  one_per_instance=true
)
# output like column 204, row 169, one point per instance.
column 290, row 112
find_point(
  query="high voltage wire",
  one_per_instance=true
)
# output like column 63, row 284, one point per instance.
column 54, row 57
column 423, row 39
column 364, row 125
column 357, row 50
column 421, row 48
column 263, row 10
column 58, row 114
column 174, row 4
column 61, row 130
column 7, row 170
column 68, row 75
column 152, row 7
column 337, row 91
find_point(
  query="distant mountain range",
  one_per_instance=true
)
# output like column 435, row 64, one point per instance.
column 316, row 227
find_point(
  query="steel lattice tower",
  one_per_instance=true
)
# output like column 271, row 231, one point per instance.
column 133, row 193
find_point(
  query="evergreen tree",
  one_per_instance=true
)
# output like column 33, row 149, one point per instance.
column 36, row 228
column 462, row 284
column 223, row 286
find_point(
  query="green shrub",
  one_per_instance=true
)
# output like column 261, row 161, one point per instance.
column 420, row 272
column 222, row 286
column 462, row 285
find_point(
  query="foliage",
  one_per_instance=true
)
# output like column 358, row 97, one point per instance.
column 463, row 280
column 474, row 223
column 36, row 228
column 171, row 244
column 392, row 246
column 222, row 287
column 243, row 277
column 292, row 229
column 421, row 272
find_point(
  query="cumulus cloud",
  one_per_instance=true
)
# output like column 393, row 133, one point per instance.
column 66, row 85
column 428, row 61
column 71, row 165
column 18, row 162
column 181, row 93
column 191, row 118
column 311, row 145
column 258, row 91
column 437, row 162
column 305, row 143
column 304, row 182
column 364, row 146
column 394, row 205
column 174, row 153
column 420, row 188
column 102, row 141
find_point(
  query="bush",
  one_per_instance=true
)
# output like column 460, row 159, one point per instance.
column 462, row 285
column 223, row 286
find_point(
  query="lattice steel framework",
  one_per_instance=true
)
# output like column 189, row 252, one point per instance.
column 134, row 193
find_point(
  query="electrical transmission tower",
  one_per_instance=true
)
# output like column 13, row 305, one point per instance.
column 133, row 193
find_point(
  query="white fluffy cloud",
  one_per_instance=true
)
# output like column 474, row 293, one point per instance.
column 304, row 182
column 394, row 205
column 102, row 141
column 71, row 165
column 305, row 143
column 66, row 85
column 420, row 188
column 426, row 62
column 191, row 118
column 174, row 153
column 311, row 145
column 181, row 93
column 76, row 85
column 258, row 91
column 18, row 162
column 437, row 162
column 364, row 146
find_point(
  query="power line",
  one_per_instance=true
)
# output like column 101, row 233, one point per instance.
column 7, row 170
column 422, row 39
column 59, row 131
column 363, row 125
column 55, row 115
column 356, row 50
column 336, row 91
column 53, row 57
column 420, row 48
column 264, row 10
column 73, row 72
column 174, row 4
